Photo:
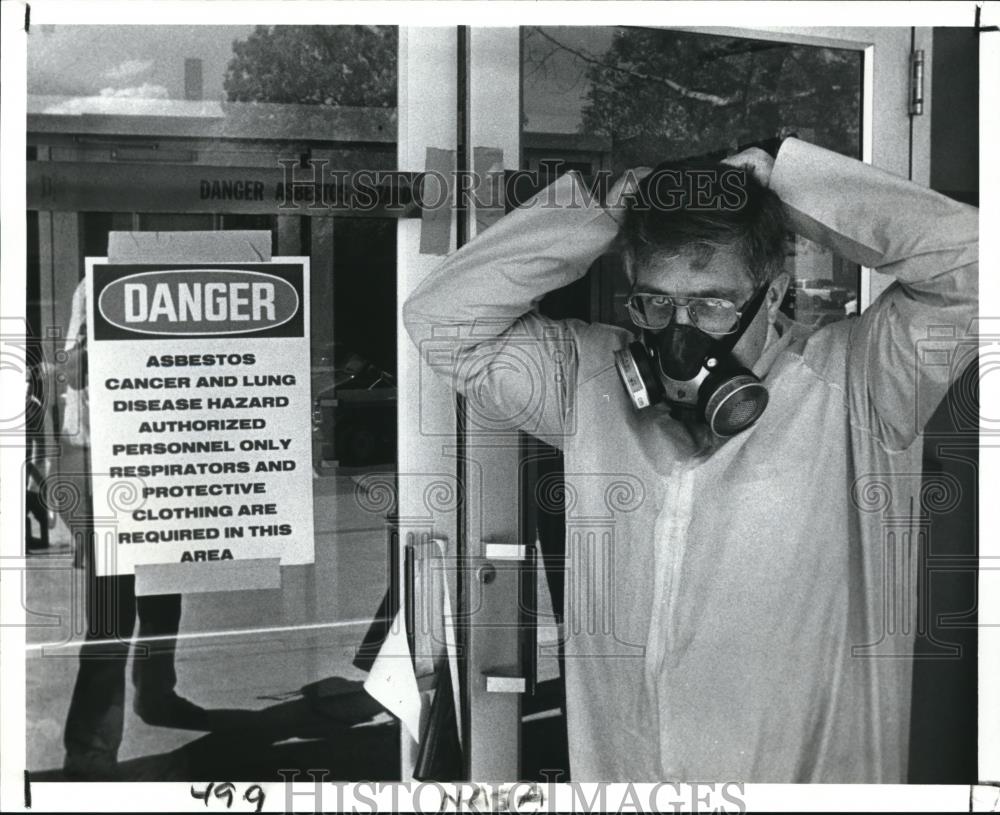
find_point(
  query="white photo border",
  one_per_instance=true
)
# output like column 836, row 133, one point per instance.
column 173, row 797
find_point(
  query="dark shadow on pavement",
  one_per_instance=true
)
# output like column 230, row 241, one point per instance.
column 328, row 726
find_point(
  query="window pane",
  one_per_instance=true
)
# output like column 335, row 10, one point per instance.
column 193, row 127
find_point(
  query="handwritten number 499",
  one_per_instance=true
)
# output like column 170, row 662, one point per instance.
column 254, row 794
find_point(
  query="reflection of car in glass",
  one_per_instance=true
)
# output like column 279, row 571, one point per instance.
column 354, row 409
column 820, row 292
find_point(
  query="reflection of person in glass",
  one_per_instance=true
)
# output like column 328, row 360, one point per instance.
column 772, row 613
column 96, row 718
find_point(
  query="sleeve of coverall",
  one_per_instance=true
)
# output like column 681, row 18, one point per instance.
column 474, row 319
column 901, row 346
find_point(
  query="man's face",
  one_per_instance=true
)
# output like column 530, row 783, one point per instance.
column 719, row 273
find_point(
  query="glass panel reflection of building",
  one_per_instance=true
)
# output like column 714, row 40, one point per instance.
column 227, row 684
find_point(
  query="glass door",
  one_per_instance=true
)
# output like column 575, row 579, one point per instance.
column 179, row 129
column 602, row 100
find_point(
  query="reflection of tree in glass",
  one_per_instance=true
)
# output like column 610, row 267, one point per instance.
column 667, row 94
column 342, row 65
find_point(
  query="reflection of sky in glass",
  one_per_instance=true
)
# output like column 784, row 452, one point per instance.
column 555, row 81
column 137, row 62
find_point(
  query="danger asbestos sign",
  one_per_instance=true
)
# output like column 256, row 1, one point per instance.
column 200, row 412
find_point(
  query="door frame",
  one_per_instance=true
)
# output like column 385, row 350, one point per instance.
column 427, row 423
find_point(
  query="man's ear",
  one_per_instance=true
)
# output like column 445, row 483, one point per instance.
column 628, row 265
column 776, row 294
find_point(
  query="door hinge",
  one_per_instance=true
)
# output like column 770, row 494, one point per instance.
column 917, row 82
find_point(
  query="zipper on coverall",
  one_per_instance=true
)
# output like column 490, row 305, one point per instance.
column 670, row 538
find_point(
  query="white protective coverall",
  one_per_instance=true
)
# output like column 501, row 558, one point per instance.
column 749, row 615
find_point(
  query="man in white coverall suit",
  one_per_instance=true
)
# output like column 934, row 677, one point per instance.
column 761, row 585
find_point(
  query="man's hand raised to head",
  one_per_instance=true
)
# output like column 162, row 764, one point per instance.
column 756, row 160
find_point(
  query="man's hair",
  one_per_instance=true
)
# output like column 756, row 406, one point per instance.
column 700, row 207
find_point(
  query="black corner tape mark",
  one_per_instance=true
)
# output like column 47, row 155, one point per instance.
column 27, row 17
column 979, row 28
column 27, row 790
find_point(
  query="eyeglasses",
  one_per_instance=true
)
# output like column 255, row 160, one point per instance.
column 711, row 314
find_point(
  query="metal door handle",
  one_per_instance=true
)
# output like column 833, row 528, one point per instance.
column 500, row 680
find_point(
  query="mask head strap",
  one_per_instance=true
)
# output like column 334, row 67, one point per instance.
column 749, row 314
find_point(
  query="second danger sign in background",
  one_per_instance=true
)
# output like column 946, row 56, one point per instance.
column 200, row 412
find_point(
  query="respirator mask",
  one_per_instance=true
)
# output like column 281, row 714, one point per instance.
column 690, row 366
